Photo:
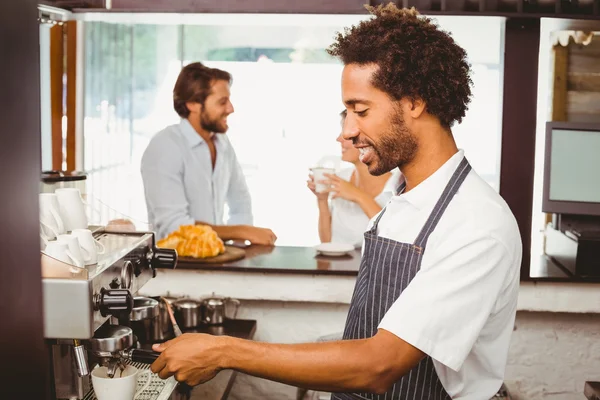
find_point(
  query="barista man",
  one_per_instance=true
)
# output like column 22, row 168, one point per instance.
column 435, row 299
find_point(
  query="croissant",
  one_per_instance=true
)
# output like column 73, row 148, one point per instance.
column 192, row 231
column 171, row 241
column 198, row 241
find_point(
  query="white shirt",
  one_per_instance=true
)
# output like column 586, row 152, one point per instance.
column 181, row 186
column 460, row 307
column 348, row 220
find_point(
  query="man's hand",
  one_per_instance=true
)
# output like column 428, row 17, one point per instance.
column 192, row 358
column 257, row 235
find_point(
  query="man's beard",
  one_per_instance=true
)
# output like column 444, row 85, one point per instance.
column 211, row 125
column 395, row 148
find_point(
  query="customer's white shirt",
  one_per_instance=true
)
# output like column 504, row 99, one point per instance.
column 182, row 187
column 348, row 220
column 460, row 307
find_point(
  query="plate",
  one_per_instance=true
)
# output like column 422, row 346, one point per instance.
column 334, row 249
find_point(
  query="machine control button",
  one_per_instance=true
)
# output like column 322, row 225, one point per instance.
column 114, row 302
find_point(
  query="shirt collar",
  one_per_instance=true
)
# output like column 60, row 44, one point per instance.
column 430, row 190
column 188, row 131
column 394, row 182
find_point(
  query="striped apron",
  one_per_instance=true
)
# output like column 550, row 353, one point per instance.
column 386, row 269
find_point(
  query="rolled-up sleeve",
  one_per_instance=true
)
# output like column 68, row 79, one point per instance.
column 238, row 196
column 446, row 305
column 162, row 174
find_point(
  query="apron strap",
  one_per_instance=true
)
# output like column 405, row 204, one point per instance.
column 451, row 189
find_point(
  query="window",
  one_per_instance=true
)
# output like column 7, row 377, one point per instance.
column 286, row 93
column 126, row 98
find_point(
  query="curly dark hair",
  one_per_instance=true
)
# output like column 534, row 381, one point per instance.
column 193, row 85
column 416, row 60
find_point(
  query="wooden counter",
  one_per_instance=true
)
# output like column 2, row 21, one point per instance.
column 284, row 259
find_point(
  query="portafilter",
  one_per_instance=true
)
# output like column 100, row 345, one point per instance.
column 112, row 345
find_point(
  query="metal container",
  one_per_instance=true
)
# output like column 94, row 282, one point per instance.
column 166, row 327
column 187, row 313
column 145, row 320
column 144, row 308
column 214, row 309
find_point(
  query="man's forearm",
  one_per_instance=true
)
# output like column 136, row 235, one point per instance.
column 227, row 232
column 342, row 366
column 364, row 365
column 240, row 217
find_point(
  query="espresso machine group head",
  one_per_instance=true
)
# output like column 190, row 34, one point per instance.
column 113, row 346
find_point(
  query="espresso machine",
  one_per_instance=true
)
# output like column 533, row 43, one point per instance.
column 88, row 313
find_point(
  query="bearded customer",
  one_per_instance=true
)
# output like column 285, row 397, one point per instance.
column 435, row 299
column 190, row 170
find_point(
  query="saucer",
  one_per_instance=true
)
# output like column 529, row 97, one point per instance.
column 334, row 249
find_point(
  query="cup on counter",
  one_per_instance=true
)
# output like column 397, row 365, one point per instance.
column 51, row 223
column 72, row 208
column 61, row 252
column 74, row 247
column 90, row 247
column 122, row 387
column 319, row 175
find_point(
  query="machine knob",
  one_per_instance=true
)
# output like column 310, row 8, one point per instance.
column 164, row 258
column 115, row 302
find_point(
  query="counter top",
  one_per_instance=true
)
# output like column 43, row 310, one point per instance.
column 284, row 259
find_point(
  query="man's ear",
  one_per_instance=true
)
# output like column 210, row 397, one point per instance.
column 412, row 108
column 417, row 107
column 193, row 107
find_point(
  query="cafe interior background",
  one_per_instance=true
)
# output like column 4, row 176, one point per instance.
column 105, row 83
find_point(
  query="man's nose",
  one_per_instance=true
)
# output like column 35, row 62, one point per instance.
column 349, row 128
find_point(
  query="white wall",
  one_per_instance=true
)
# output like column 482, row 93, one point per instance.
column 552, row 355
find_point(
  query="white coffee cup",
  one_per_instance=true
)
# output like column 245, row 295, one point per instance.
column 51, row 223
column 72, row 208
column 60, row 251
column 122, row 387
column 319, row 175
column 74, row 247
column 89, row 246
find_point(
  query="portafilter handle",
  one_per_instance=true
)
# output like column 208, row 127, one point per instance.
column 141, row 356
